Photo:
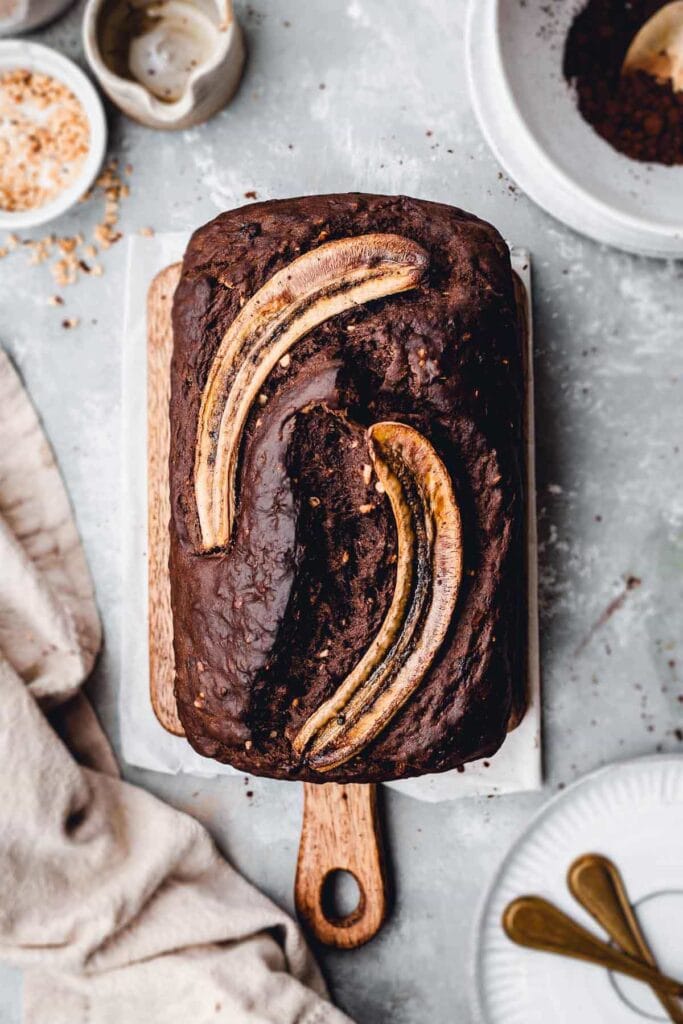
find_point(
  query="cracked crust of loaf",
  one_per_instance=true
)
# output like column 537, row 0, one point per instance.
column 266, row 631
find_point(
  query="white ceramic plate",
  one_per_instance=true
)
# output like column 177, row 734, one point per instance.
column 633, row 813
column 530, row 120
column 15, row 53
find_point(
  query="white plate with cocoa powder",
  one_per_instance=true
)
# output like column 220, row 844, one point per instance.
column 529, row 117
column 52, row 134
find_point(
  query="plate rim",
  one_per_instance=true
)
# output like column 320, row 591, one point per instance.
column 546, row 809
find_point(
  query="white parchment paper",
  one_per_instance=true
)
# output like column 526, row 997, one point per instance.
column 516, row 766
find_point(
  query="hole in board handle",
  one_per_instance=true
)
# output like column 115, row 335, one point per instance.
column 342, row 899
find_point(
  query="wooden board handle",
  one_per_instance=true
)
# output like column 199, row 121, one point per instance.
column 340, row 832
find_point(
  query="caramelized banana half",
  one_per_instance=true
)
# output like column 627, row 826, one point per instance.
column 314, row 287
column 428, row 575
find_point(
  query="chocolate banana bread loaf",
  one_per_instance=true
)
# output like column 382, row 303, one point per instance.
column 347, row 542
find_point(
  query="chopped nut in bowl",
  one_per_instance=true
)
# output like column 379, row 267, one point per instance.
column 52, row 134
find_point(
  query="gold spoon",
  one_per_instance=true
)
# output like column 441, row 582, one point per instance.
column 534, row 922
column 595, row 882
column 657, row 47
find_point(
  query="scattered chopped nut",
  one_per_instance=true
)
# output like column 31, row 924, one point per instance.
column 75, row 257
column 364, row 509
column 345, row 557
column 379, row 487
column 67, row 244
column 262, row 399
column 273, row 734
column 248, row 745
column 313, row 501
column 55, row 300
column 200, row 666
column 40, row 250
column 64, row 272
column 70, row 322
column 105, row 236
column 323, row 654
column 285, row 361
column 367, row 473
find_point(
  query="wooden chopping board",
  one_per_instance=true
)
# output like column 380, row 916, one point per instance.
column 340, row 828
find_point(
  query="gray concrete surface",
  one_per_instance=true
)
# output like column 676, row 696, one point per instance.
column 361, row 94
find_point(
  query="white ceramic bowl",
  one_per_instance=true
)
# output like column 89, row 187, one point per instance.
column 530, row 120
column 15, row 53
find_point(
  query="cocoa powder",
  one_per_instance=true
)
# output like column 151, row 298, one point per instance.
column 639, row 116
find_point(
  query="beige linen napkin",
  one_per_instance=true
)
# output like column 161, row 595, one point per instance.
column 120, row 908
